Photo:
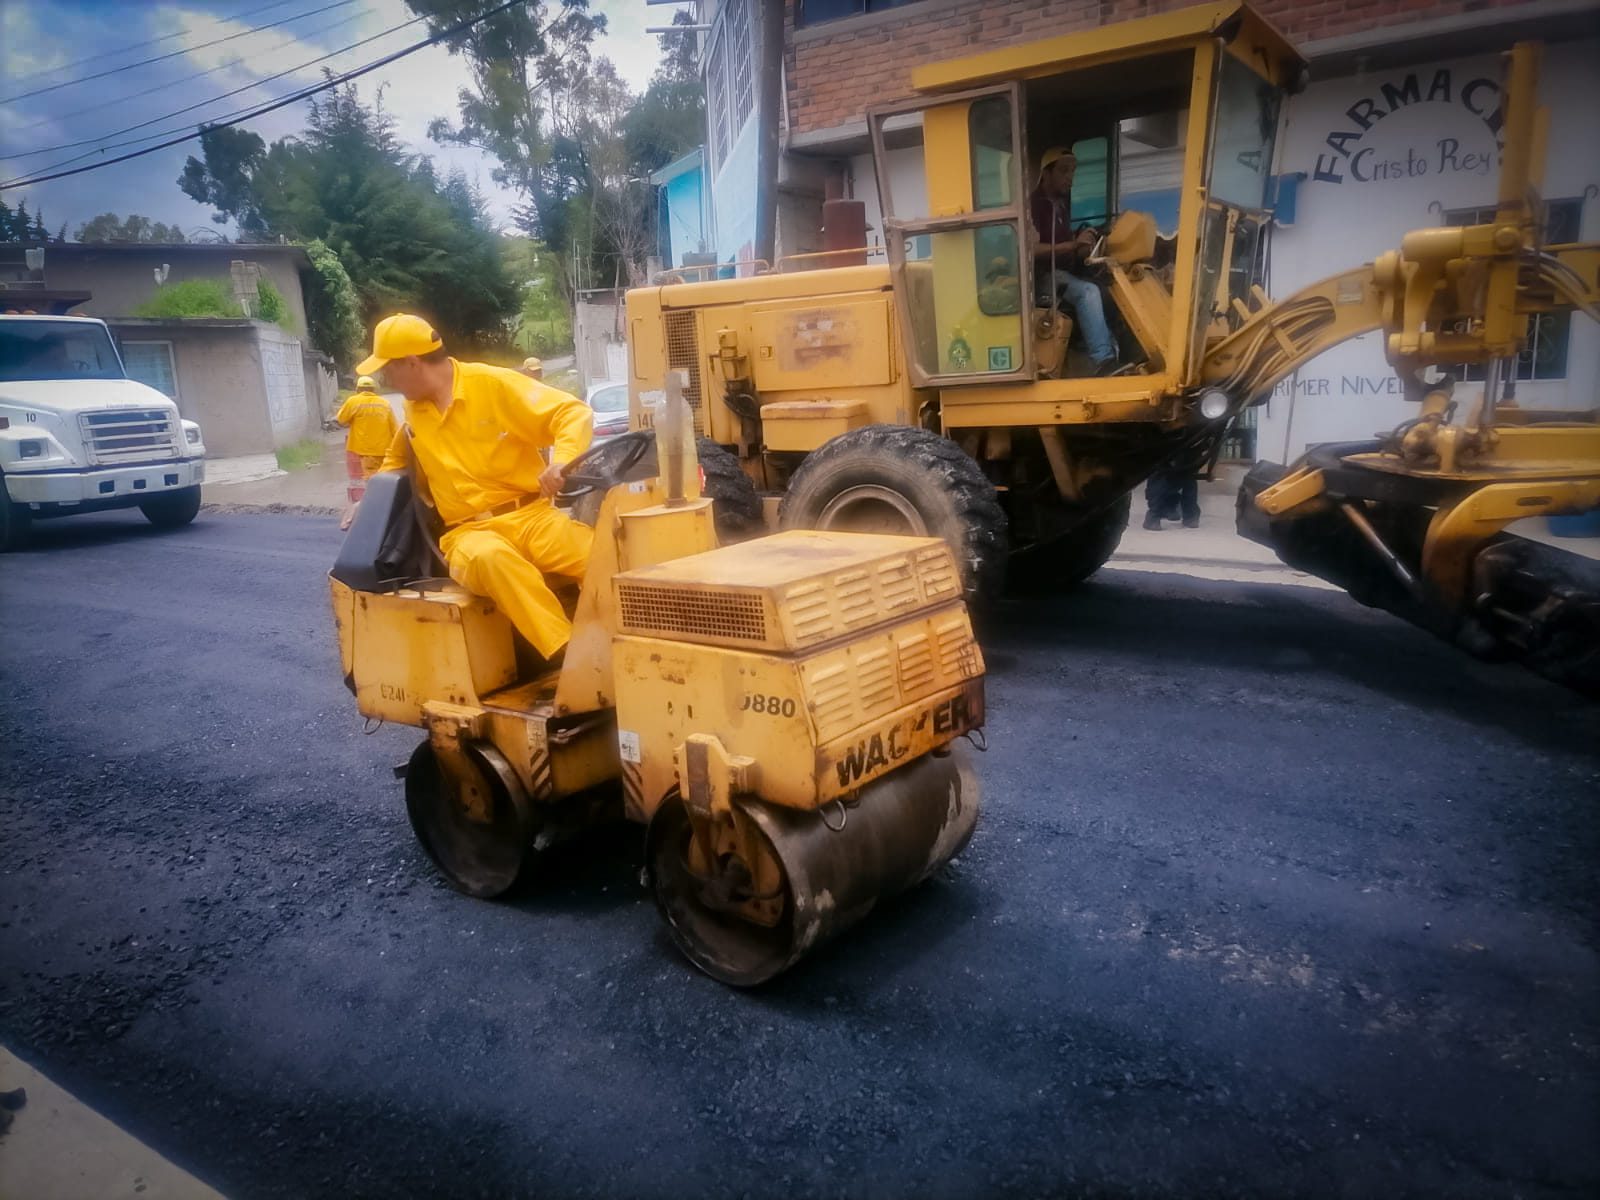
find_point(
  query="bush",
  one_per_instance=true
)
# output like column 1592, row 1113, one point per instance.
column 332, row 309
column 192, row 298
column 271, row 306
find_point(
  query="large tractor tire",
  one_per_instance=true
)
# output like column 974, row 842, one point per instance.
column 901, row 479
column 633, row 456
column 172, row 509
column 15, row 520
column 1063, row 564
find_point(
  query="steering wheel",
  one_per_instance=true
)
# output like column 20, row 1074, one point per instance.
column 577, row 482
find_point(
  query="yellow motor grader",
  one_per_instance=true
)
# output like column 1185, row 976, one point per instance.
column 941, row 394
column 780, row 714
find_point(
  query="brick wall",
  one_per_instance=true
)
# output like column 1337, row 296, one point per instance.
column 835, row 70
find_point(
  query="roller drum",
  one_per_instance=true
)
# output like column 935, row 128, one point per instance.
column 838, row 862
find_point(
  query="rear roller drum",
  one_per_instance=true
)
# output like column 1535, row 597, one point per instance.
column 478, row 828
column 836, row 862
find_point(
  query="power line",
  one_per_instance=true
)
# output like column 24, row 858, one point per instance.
column 79, row 62
column 262, row 110
column 99, row 140
column 161, row 87
column 144, row 62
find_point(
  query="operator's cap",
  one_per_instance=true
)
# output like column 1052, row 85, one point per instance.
column 366, row 384
column 1054, row 155
column 399, row 336
column 532, row 364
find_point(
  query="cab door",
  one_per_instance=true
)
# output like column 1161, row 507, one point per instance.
column 963, row 272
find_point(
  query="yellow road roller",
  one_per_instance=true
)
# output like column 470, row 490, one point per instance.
column 782, row 714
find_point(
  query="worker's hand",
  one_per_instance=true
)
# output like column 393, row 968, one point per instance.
column 1085, row 239
column 551, row 480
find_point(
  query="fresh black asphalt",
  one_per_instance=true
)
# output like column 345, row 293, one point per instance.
column 1272, row 895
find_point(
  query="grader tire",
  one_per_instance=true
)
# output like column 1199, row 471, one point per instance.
column 738, row 506
column 1063, row 564
column 901, row 479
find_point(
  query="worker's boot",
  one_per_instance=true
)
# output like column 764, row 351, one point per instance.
column 1152, row 519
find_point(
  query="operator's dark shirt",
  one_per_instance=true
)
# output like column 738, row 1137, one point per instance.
column 1052, row 218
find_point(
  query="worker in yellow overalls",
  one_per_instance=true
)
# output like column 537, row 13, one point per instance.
column 477, row 433
column 371, row 423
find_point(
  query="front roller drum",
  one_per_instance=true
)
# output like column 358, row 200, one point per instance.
column 837, row 863
column 476, row 823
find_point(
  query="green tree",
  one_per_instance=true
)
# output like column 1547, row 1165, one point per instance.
column 405, row 240
column 670, row 118
column 108, row 227
column 333, row 310
column 7, row 228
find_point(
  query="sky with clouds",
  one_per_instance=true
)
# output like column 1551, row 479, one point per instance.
column 45, row 42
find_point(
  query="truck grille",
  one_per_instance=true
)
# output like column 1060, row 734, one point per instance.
column 683, row 350
column 129, row 435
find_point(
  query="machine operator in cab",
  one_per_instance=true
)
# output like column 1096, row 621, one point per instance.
column 1059, row 254
column 478, row 434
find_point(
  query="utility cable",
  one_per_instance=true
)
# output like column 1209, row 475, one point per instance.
column 99, row 141
column 144, row 62
column 79, row 62
column 261, row 110
column 161, row 87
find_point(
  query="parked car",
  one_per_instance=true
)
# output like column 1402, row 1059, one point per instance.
column 610, row 404
column 77, row 435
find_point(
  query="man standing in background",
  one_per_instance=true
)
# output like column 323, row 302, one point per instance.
column 371, row 423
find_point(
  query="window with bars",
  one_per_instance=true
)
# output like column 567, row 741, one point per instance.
column 1545, row 355
column 741, row 63
column 717, row 99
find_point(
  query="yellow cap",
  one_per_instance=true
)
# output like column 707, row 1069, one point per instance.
column 1051, row 156
column 532, row 364
column 366, row 384
column 399, row 336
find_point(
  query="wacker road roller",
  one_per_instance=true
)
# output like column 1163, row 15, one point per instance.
column 781, row 714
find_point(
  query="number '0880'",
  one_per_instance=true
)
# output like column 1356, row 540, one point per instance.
column 772, row 706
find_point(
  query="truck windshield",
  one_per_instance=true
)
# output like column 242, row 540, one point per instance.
column 32, row 350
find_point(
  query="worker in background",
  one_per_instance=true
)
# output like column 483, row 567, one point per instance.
column 476, row 433
column 1173, row 492
column 533, row 368
column 371, row 423
column 1059, row 255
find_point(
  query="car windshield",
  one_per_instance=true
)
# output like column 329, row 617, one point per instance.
column 610, row 400
column 32, row 350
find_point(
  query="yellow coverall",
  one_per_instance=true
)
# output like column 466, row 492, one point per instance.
column 372, row 428
column 483, row 452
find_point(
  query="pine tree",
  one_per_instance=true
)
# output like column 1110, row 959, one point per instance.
column 38, row 233
column 5, row 222
column 61, row 234
column 21, row 224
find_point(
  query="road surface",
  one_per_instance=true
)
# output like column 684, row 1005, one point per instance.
column 1272, row 894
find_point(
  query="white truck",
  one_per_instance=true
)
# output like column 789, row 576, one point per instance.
column 77, row 435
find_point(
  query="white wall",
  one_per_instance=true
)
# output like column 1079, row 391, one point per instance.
column 285, row 380
column 907, row 182
column 1430, row 151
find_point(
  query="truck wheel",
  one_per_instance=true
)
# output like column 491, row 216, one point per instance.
column 901, row 479
column 15, row 521
column 1066, row 562
column 172, row 509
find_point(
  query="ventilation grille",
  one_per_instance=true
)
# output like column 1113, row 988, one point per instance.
column 720, row 616
column 683, row 351
column 850, row 600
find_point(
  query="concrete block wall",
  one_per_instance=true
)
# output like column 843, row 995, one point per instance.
column 836, row 69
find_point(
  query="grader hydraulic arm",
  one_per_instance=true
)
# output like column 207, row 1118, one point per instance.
column 1415, row 521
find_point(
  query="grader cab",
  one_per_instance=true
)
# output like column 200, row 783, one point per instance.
column 942, row 393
